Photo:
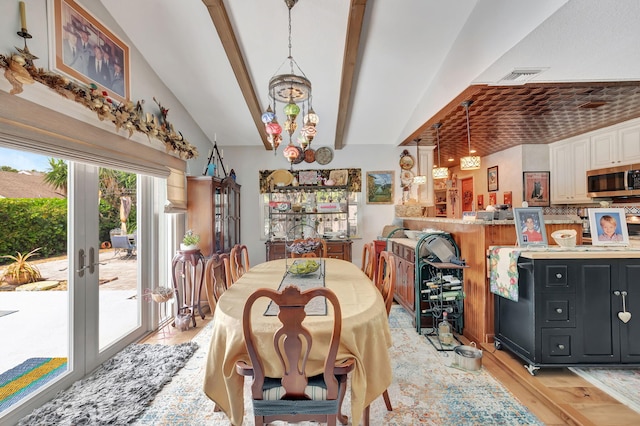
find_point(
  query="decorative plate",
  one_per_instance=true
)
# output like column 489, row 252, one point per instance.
column 281, row 177
column 324, row 155
column 406, row 161
column 300, row 158
column 406, row 177
column 309, row 155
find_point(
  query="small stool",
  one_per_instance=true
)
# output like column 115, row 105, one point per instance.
column 188, row 268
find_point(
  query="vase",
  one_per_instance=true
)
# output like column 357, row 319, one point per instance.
column 188, row 247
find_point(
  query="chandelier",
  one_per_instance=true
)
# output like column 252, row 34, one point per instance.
column 470, row 162
column 439, row 172
column 291, row 89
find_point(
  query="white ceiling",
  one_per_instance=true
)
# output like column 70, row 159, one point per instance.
column 415, row 56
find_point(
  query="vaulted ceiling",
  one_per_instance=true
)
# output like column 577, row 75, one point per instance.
column 383, row 71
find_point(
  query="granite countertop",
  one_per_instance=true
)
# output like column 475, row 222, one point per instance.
column 548, row 219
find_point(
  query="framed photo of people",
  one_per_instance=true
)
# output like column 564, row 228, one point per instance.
column 536, row 189
column 608, row 227
column 87, row 51
column 530, row 226
column 492, row 178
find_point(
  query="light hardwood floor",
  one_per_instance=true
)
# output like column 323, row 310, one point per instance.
column 555, row 395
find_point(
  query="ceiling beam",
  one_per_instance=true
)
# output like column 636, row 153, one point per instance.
column 229, row 41
column 351, row 47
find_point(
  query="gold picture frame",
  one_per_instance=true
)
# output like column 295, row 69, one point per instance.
column 79, row 38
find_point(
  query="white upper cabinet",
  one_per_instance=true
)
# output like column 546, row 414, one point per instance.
column 618, row 146
column 569, row 164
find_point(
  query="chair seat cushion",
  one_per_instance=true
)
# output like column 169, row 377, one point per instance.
column 316, row 389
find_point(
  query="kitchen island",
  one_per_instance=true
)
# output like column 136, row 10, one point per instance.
column 573, row 308
column 474, row 239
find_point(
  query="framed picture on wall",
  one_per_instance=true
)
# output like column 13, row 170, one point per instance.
column 492, row 178
column 530, row 226
column 86, row 50
column 536, row 189
column 380, row 187
column 608, row 227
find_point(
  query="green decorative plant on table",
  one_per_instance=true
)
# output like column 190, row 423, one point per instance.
column 190, row 241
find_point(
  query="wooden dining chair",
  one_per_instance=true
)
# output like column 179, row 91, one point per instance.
column 239, row 261
column 293, row 396
column 386, row 284
column 217, row 278
column 319, row 251
column 369, row 260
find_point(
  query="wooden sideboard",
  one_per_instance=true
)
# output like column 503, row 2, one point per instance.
column 336, row 249
column 474, row 239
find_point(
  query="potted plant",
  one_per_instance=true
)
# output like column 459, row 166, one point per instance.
column 21, row 271
column 190, row 241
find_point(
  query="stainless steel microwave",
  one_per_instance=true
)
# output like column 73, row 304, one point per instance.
column 620, row 181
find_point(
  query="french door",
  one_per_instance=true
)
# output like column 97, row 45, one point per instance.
column 102, row 309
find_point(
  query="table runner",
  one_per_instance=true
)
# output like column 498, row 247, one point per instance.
column 317, row 305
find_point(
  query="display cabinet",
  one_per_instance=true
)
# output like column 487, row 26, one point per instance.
column 440, row 202
column 213, row 212
column 324, row 209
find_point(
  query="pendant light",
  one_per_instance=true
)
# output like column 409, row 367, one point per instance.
column 470, row 162
column 419, row 179
column 439, row 172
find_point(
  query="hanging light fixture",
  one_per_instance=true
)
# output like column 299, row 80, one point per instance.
column 419, row 179
column 439, row 172
column 291, row 89
column 470, row 162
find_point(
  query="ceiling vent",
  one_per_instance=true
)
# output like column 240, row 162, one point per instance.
column 519, row 76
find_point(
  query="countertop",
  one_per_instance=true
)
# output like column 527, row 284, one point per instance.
column 548, row 219
column 582, row 252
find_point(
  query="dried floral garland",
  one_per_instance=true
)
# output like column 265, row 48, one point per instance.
column 124, row 115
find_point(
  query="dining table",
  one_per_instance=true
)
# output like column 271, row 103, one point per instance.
column 365, row 334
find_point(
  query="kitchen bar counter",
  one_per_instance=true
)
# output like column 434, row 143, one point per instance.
column 474, row 239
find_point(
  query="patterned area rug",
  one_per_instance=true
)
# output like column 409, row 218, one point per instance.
column 425, row 390
column 20, row 381
column 622, row 384
column 118, row 391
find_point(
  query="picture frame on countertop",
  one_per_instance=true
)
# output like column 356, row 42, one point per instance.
column 493, row 199
column 492, row 178
column 608, row 227
column 535, row 186
column 530, row 228
column 380, row 186
column 78, row 39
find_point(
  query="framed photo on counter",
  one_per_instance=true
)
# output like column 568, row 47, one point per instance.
column 608, row 227
column 530, row 226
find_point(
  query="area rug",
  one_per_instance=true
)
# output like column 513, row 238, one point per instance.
column 118, row 391
column 621, row 383
column 425, row 390
column 25, row 378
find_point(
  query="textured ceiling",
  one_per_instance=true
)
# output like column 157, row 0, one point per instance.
column 501, row 117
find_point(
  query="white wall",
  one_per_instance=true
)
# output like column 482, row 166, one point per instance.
column 247, row 161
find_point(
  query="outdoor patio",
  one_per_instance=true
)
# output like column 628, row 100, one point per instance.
column 39, row 325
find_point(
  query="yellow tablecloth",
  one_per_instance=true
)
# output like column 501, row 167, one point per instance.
column 365, row 335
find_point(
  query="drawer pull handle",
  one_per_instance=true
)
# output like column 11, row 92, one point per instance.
column 561, row 347
column 559, row 310
column 558, row 276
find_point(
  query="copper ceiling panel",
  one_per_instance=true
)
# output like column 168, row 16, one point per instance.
column 505, row 116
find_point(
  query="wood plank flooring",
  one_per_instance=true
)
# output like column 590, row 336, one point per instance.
column 555, row 395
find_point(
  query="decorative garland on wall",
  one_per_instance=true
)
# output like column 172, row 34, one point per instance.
column 125, row 115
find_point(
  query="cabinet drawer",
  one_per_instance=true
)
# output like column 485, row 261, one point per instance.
column 558, row 311
column 409, row 254
column 397, row 249
column 335, row 249
column 556, row 346
column 557, row 277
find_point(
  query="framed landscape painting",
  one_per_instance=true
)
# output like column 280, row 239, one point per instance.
column 86, row 50
column 536, row 189
column 380, row 187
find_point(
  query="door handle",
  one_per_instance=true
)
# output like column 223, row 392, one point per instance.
column 81, row 257
column 92, row 262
